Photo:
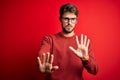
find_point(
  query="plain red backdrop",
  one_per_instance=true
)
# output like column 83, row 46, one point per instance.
column 23, row 23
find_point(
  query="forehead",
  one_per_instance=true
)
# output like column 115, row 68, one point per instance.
column 69, row 14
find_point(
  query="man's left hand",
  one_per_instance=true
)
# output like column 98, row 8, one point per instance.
column 82, row 50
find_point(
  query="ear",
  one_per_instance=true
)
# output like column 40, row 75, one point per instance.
column 60, row 18
column 77, row 20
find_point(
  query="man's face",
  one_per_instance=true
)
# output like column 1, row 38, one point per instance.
column 68, row 21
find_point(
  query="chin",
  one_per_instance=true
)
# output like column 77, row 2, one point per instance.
column 67, row 31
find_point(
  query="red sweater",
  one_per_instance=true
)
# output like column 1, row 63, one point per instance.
column 70, row 65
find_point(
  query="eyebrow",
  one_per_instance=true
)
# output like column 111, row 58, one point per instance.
column 68, row 17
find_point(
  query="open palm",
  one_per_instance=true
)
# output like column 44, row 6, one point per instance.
column 46, row 64
column 82, row 50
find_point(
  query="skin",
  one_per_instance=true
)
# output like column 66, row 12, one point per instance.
column 45, row 63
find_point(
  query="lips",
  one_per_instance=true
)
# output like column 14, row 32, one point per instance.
column 68, row 27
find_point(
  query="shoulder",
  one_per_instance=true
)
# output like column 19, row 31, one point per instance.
column 50, row 36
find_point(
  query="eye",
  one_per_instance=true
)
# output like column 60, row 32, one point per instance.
column 66, row 18
column 73, row 19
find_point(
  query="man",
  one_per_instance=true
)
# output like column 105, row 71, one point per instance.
column 63, row 56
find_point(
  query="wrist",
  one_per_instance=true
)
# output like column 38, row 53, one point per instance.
column 85, row 58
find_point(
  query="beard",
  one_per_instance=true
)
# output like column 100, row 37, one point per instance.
column 66, row 30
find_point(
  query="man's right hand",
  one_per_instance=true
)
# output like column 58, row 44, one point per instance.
column 45, row 64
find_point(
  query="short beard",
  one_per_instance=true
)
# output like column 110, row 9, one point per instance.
column 66, row 31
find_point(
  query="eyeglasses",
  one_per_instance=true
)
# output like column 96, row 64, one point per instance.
column 66, row 19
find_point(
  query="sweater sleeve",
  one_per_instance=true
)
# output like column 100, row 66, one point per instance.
column 45, row 46
column 91, row 64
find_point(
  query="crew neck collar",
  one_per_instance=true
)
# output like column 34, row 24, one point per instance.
column 65, row 36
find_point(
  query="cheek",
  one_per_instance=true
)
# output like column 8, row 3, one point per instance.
column 73, row 25
column 64, row 24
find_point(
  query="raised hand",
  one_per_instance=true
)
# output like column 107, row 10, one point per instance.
column 45, row 66
column 82, row 50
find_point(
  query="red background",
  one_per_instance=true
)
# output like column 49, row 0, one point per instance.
column 23, row 23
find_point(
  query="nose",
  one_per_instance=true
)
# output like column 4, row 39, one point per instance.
column 69, row 21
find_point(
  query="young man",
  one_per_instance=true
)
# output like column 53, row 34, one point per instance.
column 64, row 55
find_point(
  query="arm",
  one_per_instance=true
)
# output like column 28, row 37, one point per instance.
column 45, row 61
column 85, row 54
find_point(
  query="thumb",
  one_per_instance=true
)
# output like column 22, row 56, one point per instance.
column 78, row 53
column 71, row 48
column 55, row 68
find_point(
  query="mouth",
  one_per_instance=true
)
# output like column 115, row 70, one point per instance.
column 68, row 27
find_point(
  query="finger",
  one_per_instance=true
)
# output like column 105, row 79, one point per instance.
column 39, row 61
column 51, row 59
column 77, row 41
column 48, row 57
column 81, row 38
column 85, row 39
column 88, row 42
column 71, row 48
column 55, row 68
column 75, row 51
column 43, row 58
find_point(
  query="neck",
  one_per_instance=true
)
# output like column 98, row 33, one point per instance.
column 68, row 34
